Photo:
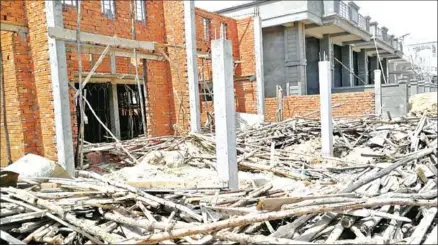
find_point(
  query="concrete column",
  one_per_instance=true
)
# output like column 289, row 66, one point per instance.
column 362, row 65
column 347, row 60
column 373, row 66
column 403, row 87
column 114, row 102
column 414, row 86
column 420, row 87
column 427, row 87
column 326, row 54
column 325, row 95
column 384, row 70
column 377, row 92
column 192, row 66
column 258, row 51
column 60, row 90
column 224, row 111
column 295, row 60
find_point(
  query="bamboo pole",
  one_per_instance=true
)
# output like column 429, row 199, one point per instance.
column 81, row 101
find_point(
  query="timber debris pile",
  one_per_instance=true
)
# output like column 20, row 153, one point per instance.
column 380, row 188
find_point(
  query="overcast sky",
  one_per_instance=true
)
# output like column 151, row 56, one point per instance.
column 419, row 18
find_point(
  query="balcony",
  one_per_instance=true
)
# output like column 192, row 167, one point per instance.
column 350, row 12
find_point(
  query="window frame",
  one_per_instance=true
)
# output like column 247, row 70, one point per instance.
column 143, row 10
column 224, row 29
column 112, row 8
column 71, row 3
column 206, row 28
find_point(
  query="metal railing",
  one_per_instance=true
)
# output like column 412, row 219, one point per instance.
column 344, row 10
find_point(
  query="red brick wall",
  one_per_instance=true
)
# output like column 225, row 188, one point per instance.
column 13, row 12
column 354, row 104
column 245, row 28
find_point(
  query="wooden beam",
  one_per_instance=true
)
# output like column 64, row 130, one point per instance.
column 86, row 37
column 13, row 28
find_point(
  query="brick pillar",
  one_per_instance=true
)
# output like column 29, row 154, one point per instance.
column 175, row 33
column 21, row 104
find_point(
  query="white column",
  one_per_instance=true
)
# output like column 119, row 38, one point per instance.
column 258, row 51
column 61, row 96
column 378, row 92
column 192, row 65
column 325, row 85
column 224, row 111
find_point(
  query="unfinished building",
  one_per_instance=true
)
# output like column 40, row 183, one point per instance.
column 276, row 48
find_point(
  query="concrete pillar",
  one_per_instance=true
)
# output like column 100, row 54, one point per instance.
column 295, row 59
column 224, row 111
column 373, row 66
column 347, row 60
column 326, row 54
column 420, row 87
column 427, row 87
column 258, row 51
column 114, row 102
column 414, row 86
column 384, row 70
column 362, row 64
column 403, row 87
column 377, row 92
column 325, row 95
column 61, row 95
column 192, row 66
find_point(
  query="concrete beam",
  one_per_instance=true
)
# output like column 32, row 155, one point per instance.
column 340, row 34
column 13, row 28
column 60, row 33
column 95, row 49
column 60, row 89
column 325, row 86
column 310, row 26
column 356, row 43
column 224, row 112
column 192, row 66
column 258, row 51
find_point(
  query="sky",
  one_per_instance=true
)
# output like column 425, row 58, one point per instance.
column 419, row 18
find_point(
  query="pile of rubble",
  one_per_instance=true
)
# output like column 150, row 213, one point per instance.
column 390, row 198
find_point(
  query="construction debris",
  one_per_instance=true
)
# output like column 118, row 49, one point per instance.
column 425, row 103
column 380, row 188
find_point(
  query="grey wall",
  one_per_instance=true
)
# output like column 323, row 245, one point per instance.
column 394, row 100
column 316, row 7
column 296, row 59
column 312, row 57
column 337, row 66
column 362, row 88
column 273, row 59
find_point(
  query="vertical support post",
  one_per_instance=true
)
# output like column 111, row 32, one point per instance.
column 114, row 101
column 59, row 78
column 403, row 87
column 374, row 65
column 224, row 111
column 326, row 53
column 258, row 51
column 427, row 87
column 325, row 85
column 420, row 87
column 378, row 92
column 414, row 86
column 192, row 65
column 347, row 60
column 363, row 66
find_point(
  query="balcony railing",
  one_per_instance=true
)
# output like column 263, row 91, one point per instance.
column 344, row 10
column 362, row 22
column 351, row 14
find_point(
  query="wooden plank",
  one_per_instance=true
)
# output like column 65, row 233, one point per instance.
column 70, row 35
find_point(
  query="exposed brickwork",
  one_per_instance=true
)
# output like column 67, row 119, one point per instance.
column 245, row 28
column 13, row 12
column 355, row 104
